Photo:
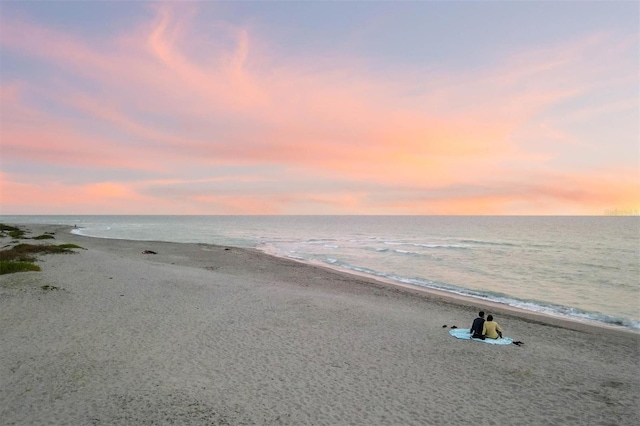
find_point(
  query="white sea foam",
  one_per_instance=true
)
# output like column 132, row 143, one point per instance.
column 534, row 306
column 445, row 246
column 406, row 252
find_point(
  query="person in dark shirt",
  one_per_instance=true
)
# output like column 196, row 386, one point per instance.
column 476, row 327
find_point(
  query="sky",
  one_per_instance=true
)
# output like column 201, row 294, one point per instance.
column 386, row 108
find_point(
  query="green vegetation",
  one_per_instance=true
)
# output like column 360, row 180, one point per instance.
column 20, row 257
column 26, row 252
column 12, row 231
column 71, row 246
column 16, row 234
column 44, row 237
column 9, row 267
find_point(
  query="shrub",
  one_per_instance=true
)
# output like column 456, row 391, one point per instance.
column 16, row 234
column 70, row 246
column 19, row 258
column 44, row 237
column 9, row 267
column 13, row 231
column 26, row 252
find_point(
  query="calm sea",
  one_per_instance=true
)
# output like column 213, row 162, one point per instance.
column 586, row 268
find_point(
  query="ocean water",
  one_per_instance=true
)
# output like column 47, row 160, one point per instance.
column 585, row 268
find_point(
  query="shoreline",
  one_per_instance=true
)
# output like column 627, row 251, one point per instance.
column 206, row 334
column 589, row 326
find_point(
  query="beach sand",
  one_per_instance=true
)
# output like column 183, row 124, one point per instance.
column 207, row 335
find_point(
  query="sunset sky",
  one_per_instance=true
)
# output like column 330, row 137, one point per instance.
column 319, row 108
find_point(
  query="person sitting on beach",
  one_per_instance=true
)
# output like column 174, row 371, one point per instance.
column 491, row 329
column 476, row 327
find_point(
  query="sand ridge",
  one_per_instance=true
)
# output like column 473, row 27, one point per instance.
column 198, row 334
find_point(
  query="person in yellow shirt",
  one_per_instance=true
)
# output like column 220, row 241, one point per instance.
column 491, row 329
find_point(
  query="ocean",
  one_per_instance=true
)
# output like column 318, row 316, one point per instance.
column 584, row 268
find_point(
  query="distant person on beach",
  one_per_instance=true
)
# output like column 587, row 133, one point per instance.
column 491, row 329
column 476, row 327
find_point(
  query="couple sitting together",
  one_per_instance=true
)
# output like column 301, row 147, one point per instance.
column 481, row 329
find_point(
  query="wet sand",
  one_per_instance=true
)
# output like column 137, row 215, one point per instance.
column 201, row 334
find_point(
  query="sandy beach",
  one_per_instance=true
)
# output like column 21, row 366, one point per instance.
column 210, row 335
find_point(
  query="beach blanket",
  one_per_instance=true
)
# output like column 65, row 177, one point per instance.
column 463, row 333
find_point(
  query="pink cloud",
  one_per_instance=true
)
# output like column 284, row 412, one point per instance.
column 169, row 112
column 31, row 135
column 52, row 198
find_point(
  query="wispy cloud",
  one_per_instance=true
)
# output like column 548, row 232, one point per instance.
column 204, row 127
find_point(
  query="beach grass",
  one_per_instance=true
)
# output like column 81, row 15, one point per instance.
column 10, row 267
column 12, row 231
column 44, row 237
column 71, row 246
column 27, row 252
column 21, row 257
column 7, row 228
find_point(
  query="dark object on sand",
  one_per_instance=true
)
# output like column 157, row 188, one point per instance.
column 444, row 326
column 149, row 252
column 518, row 343
column 227, row 249
column 49, row 287
column 453, row 326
